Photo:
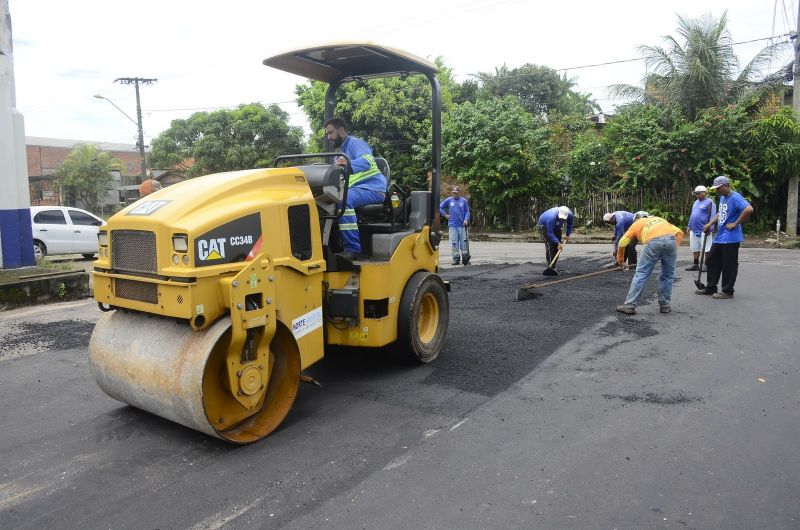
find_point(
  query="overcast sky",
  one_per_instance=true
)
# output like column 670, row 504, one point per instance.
column 208, row 54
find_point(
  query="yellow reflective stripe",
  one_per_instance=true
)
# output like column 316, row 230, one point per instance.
column 371, row 172
column 349, row 211
column 348, row 226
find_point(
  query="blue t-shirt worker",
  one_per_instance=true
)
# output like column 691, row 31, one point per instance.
column 703, row 210
column 550, row 223
column 456, row 210
column 367, row 185
column 621, row 221
column 723, row 258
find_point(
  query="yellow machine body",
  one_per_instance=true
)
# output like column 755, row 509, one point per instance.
column 218, row 288
column 221, row 289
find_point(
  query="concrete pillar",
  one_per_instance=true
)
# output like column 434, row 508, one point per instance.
column 16, row 241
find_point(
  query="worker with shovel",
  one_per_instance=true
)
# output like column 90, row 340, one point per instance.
column 703, row 210
column 550, row 223
column 661, row 241
column 723, row 258
column 621, row 221
column 456, row 210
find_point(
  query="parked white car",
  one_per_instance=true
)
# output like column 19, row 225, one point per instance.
column 64, row 230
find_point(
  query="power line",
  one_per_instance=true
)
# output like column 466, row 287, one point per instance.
column 594, row 65
column 221, row 107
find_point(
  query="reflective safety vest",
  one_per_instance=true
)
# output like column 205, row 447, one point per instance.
column 367, row 173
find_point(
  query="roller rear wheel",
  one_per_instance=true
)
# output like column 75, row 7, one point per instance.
column 423, row 317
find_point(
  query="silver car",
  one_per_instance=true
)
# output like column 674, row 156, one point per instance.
column 64, row 230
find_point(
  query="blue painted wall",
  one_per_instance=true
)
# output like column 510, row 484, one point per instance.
column 16, row 235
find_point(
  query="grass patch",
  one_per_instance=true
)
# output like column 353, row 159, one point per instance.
column 44, row 263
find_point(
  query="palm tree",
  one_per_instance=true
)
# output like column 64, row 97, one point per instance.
column 701, row 71
column 86, row 175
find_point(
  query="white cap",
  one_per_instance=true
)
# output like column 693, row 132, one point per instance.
column 698, row 189
column 640, row 214
column 563, row 212
column 607, row 217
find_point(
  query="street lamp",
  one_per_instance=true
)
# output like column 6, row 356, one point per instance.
column 140, row 143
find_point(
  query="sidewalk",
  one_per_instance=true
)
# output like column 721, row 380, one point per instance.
column 34, row 285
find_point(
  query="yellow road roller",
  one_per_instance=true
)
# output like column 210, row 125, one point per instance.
column 219, row 291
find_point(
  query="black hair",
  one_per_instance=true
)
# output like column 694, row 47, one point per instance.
column 337, row 123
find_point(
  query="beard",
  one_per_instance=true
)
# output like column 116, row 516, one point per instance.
column 337, row 142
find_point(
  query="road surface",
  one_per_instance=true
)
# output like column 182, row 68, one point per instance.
column 555, row 412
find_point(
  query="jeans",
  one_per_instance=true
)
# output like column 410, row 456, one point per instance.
column 659, row 249
column 348, row 223
column 722, row 261
column 459, row 243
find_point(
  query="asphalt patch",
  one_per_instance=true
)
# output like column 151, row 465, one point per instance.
column 674, row 398
column 494, row 341
column 46, row 336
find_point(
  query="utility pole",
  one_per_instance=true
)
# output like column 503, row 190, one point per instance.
column 136, row 81
column 791, row 203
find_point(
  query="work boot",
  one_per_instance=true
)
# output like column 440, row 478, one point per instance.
column 351, row 256
column 627, row 309
column 705, row 291
column 665, row 308
column 466, row 260
column 722, row 296
column 456, row 262
column 693, row 267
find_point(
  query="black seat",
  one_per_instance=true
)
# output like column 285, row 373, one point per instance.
column 378, row 212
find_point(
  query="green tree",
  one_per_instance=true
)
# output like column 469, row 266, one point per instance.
column 249, row 136
column 639, row 139
column 391, row 114
column 540, row 89
column 699, row 69
column 86, row 175
column 502, row 152
column 775, row 143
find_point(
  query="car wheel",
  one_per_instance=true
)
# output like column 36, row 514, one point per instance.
column 39, row 249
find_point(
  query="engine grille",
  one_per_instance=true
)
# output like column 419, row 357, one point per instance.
column 134, row 251
column 136, row 290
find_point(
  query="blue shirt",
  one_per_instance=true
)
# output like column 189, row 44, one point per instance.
column 730, row 208
column 360, row 154
column 702, row 212
column 457, row 209
column 624, row 220
column 550, row 221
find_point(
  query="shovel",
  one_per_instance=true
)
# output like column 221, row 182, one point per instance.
column 697, row 282
column 550, row 271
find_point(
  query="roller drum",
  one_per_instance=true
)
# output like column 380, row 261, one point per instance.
column 155, row 364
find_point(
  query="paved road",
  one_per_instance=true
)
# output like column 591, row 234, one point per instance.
column 550, row 413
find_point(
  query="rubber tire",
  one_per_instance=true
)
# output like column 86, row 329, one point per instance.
column 88, row 256
column 42, row 249
column 408, row 335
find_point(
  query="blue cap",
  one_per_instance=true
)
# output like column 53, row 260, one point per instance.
column 720, row 181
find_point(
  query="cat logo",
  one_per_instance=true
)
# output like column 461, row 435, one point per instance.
column 211, row 249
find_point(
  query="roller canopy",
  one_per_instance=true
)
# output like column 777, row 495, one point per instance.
column 347, row 61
